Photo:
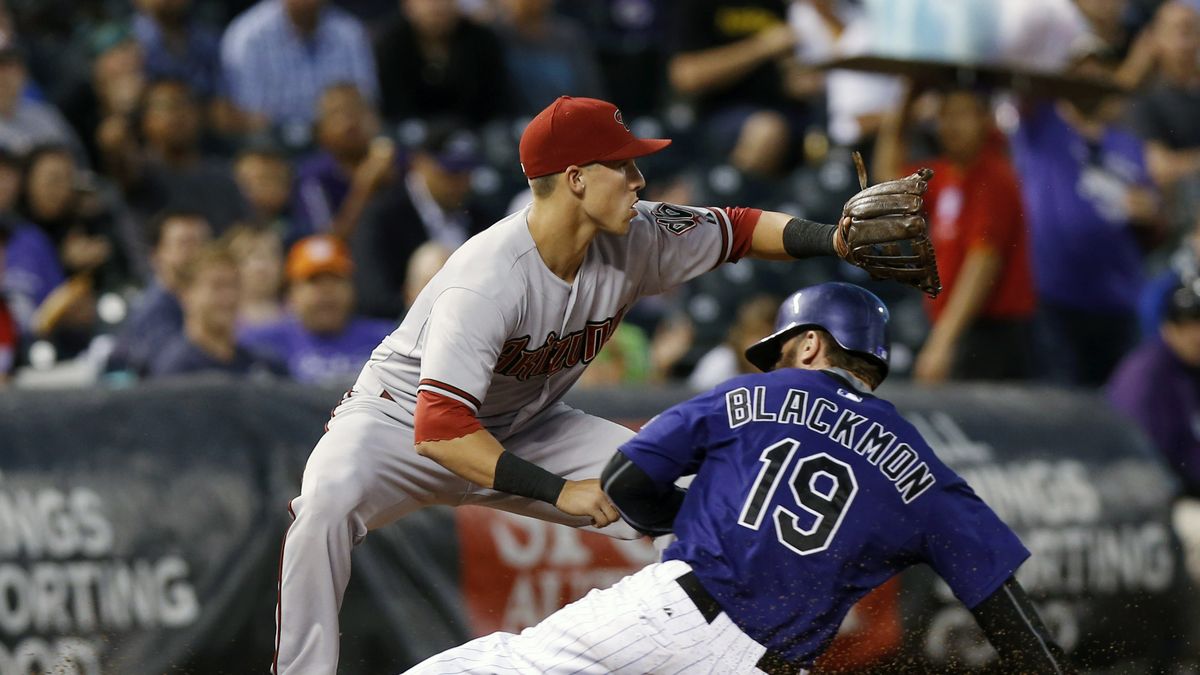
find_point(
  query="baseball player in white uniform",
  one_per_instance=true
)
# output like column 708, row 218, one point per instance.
column 461, row 404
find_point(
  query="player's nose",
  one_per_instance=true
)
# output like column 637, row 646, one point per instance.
column 636, row 180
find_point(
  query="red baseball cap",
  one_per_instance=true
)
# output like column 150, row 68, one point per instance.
column 580, row 131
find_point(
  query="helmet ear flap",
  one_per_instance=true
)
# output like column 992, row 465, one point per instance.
column 765, row 353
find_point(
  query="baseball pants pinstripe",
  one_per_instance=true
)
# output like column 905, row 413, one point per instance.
column 645, row 623
column 365, row 473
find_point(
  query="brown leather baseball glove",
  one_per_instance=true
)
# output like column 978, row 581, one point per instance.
column 883, row 231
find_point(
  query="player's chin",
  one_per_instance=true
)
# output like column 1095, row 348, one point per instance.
column 621, row 225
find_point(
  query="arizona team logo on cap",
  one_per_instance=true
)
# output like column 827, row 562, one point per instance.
column 620, row 119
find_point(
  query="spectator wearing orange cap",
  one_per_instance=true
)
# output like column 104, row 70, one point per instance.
column 321, row 340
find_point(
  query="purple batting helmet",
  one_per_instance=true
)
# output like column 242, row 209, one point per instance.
column 855, row 317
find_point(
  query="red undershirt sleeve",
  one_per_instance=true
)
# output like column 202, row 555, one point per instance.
column 441, row 418
column 742, row 222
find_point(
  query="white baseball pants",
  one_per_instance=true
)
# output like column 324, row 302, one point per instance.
column 645, row 623
column 365, row 473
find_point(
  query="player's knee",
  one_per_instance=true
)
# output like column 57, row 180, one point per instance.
column 332, row 496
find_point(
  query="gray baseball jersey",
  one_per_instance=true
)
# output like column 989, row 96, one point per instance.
column 497, row 331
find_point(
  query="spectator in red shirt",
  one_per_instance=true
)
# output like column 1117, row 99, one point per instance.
column 982, row 321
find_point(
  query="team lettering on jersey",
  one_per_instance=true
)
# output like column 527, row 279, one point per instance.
column 556, row 353
column 898, row 462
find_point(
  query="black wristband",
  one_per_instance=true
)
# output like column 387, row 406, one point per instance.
column 519, row 477
column 805, row 239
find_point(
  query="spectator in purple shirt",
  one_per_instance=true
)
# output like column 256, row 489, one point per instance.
column 334, row 186
column 321, row 341
column 209, row 291
column 30, row 259
column 1091, row 205
column 33, row 270
column 83, row 217
column 1158, row 386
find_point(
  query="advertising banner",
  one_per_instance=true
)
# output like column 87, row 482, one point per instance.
column 140, row 532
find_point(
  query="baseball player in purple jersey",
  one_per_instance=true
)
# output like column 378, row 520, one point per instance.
column 809, row 491
column 461, row 404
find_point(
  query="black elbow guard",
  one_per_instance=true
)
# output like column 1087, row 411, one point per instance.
column 1015, row 629
column 647, row 508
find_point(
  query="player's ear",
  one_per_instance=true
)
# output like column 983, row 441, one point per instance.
column 575, row 179
column 809, row 347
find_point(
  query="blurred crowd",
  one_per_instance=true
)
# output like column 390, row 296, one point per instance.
column 264, row 187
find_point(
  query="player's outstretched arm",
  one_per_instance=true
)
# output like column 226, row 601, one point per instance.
column 478, row 457
column 779, row 236
column 647, row 508
column 1014, row 628
column 882, row 230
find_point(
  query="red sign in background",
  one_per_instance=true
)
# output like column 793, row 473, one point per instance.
column 517, row 571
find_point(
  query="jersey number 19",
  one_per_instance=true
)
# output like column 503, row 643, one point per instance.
column 821, row 485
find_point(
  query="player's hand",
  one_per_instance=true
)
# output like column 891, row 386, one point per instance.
column 585, row 498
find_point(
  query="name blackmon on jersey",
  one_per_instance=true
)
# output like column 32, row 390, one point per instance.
column 898, row 462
